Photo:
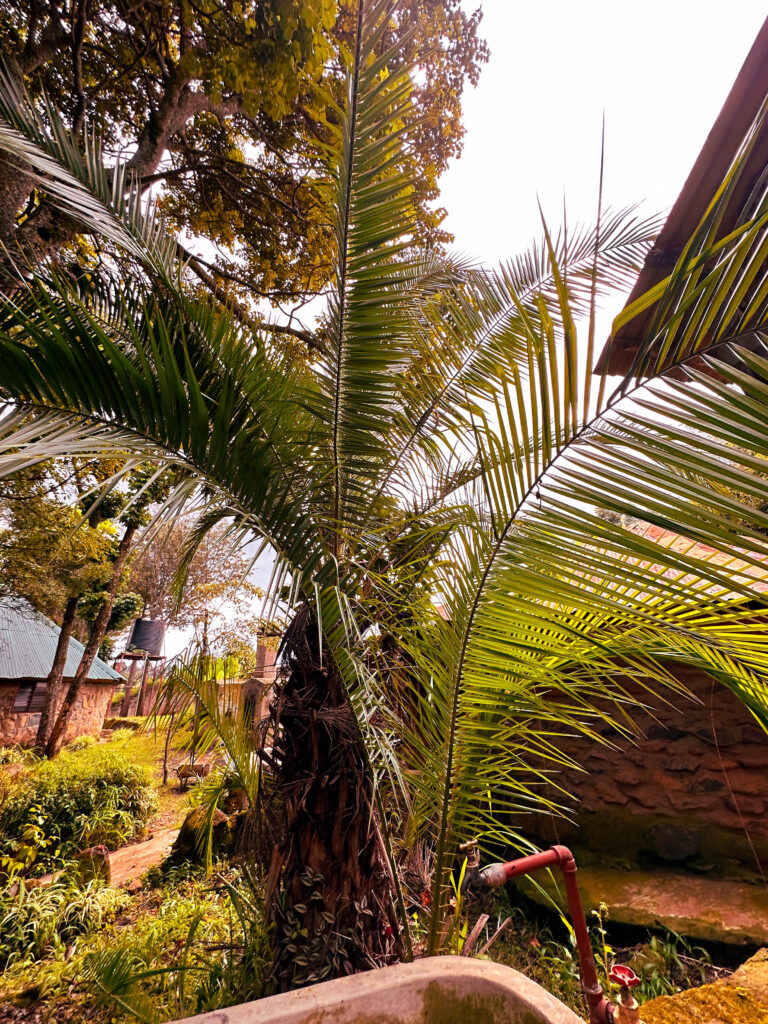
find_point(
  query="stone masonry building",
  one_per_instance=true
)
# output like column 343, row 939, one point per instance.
column 27, row 646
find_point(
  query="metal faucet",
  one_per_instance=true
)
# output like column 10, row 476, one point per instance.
column 601, row 1010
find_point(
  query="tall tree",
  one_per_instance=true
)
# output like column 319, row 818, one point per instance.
column 144, row 486
column 449, row 443
column 47, row 559
column 215, row 104
column 179, row 577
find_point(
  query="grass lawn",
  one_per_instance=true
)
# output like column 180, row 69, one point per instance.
column 145, row 748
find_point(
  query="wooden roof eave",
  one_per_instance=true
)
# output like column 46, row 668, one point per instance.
column 723, row 142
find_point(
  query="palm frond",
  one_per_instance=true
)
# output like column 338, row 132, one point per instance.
column 102, row 200
column 553, row 609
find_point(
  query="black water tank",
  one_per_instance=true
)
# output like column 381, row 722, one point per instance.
column 148, row 635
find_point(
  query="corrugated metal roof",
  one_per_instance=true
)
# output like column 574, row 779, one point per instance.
column 28, row 644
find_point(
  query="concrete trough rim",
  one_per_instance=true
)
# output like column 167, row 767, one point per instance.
column 478, row 991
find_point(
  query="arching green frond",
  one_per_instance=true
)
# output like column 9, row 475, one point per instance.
column 101, row 199
column 555, row 608
column 183, row 385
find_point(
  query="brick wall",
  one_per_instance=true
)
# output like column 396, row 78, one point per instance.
column 692, row 789
column 21, row 727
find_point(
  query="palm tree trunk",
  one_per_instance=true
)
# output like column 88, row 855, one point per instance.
column 56, row 675
column 329, row 888
column 64, row 717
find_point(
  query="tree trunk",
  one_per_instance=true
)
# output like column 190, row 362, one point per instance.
column 125, row 707
column 53, row 684
column 329, row 889
column 91, row 648
column 141, row 703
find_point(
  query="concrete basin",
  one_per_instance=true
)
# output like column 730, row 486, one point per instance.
column 439, row 990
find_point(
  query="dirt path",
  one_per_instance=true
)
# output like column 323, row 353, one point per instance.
column 130, row 862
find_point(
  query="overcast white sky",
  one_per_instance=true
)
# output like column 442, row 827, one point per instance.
column 660, row 70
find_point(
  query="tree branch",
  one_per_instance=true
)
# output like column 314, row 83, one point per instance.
column 78, row 34
column 241, row 313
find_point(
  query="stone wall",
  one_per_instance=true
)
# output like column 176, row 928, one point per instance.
column 265, row 667
column 692, row 790
column 21, row 727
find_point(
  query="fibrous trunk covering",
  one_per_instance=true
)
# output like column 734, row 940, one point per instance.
column 329, row 887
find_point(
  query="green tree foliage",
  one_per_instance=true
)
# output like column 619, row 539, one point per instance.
column 66, row 539
column 43, row 555
column 226, row 108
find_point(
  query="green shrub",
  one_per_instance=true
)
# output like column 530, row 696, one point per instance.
column 132, row 723
column 207, row 947
column 17, row 755
column 35, row 923
column 72, row 802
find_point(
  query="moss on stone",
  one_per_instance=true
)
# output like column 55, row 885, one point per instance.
column 709, row 1004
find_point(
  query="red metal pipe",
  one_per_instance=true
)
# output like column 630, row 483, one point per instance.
column 601, row 1011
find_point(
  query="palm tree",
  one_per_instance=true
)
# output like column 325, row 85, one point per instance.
column 448, row 444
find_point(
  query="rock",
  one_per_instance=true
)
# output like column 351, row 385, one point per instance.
column 744, row 781
column 684, row 800
column 236, row 801
column 746, row 805
column 709, row 1004
column 700, row 865
column 742, row 997
column 700, row 907
column 13, row 770
column 188, row 846
column 675, row 844
column 752, row 756
column 94, row 863
column 753, row 976
column 135, row 886
column 650, row 796
column 708, row 784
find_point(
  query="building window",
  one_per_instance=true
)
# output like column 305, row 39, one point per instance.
column 30, row 696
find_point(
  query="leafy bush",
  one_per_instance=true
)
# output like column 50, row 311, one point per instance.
column 131, row 724
column 207, row 947
column 665, row 964
column 81, row 742
column 17, row 755
column 74, row 801
column 42, row 922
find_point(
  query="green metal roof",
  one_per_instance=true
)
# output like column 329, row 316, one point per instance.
column 28, row 644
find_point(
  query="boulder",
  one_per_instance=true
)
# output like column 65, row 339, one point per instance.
column 753, row 976
column 94, row 863
column 190, row 844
